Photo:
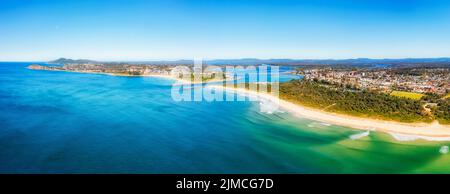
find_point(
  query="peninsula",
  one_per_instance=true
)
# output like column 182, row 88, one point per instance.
column 127, row 69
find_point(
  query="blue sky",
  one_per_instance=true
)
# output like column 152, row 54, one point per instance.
column 37, row 30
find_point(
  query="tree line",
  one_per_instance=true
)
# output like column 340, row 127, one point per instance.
column 341, row 99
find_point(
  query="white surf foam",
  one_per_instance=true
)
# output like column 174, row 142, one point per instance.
column 269, row 107
column 359, row 135
column 325, row 124
column 404, row 137
column 443, row 150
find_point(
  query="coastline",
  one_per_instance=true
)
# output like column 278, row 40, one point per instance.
column 181, row 81
column 400, row 131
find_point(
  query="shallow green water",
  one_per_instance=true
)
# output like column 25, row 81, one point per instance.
column 328, row 149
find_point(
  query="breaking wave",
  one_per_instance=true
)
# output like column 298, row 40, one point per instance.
column 404, row 137
column 317, row 124
column 269, row 107
column 443, row 150
column 359, row 135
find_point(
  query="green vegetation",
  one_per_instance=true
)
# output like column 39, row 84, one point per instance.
column 447, row 96
column 410, row 95
column 213, row 76
column 203, row 77
column 355, row 102
column 442, row 111
column 440, row 106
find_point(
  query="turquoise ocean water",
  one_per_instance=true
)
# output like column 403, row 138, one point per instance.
column 62, row 122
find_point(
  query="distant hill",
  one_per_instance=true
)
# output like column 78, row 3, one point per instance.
column 71, row 61
column 358, row 61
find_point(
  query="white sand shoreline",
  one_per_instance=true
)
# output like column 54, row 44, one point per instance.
column 400, row 131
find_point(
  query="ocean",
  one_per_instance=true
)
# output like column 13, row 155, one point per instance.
column 63, row 122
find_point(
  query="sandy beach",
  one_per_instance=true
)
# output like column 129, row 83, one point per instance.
column 400, row 131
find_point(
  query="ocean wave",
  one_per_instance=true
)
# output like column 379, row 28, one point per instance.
column 269, row 107
column 317, row 124
column 443, row 150
column 359, row 135
column 325, row 124
column 404, row 137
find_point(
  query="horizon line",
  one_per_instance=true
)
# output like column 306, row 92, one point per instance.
column 216, row 59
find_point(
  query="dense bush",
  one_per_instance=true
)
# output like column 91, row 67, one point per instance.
column 442, row 112
column 355, row 102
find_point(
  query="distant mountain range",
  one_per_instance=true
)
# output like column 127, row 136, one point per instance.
column 254, row 61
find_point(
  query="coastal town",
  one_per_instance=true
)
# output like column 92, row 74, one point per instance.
column 415, row 80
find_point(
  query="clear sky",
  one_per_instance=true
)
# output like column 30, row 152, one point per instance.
column 36, row 30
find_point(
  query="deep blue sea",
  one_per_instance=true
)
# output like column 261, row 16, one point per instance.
column 62, row 122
